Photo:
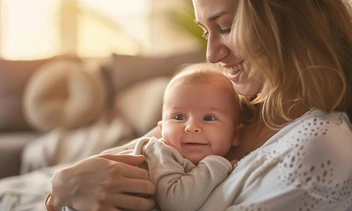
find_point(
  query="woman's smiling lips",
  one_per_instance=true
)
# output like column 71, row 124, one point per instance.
column 234, row 71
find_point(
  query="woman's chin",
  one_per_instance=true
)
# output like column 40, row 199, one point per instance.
column 246, row 90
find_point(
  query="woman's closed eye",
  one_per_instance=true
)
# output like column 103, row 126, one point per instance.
column 205, row 34
column 225, row 30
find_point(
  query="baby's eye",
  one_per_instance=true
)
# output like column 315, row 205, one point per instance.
column 209, row 118
column 179, row 117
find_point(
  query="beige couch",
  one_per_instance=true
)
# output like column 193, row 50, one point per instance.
column 133, row 86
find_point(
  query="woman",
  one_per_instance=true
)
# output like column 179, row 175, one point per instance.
column 291, row 62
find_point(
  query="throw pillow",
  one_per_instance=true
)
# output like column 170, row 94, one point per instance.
column 14, row 75
column 64, row 94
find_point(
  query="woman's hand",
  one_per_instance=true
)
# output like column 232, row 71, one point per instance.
column 104, row 182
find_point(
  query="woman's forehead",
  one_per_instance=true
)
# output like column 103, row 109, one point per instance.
column 209, row 10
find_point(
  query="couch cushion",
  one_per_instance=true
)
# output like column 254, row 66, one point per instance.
column 124, row 70
column 11, row 146
column 141, row 104
column 13, row 78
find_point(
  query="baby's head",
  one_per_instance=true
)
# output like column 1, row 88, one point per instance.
column 201, row 113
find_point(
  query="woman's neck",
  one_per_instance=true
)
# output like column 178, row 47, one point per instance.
column 253, row 136
column 256, row 133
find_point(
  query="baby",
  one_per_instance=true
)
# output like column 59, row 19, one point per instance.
column 200, row 123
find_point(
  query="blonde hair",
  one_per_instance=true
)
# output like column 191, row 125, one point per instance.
column 303, row 48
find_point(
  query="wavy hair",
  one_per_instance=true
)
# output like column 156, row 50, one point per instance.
column 303, row 48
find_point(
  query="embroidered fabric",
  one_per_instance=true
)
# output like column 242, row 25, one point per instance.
column 305, row 166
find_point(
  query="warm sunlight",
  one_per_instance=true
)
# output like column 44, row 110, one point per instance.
column 33, row 28
column 29, row 28
column 112, row 27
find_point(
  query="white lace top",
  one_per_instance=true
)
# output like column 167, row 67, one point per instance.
column 305, row 166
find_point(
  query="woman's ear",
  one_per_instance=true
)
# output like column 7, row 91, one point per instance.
column 237, row 135
column 160, row 125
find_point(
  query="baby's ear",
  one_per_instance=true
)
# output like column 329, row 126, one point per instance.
column 160, row 125
column 237, row 136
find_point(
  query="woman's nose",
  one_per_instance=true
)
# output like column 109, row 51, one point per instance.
column 216, row 50
column 193, row 128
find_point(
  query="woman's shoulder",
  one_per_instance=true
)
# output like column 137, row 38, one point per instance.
column 314, row 155
column 312, row 131
column 319, row 125
column 319, row 136
column 318, row 145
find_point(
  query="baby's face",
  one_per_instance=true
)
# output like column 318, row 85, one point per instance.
column 200, row 120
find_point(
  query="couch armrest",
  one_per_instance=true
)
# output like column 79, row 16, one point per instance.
column 11, row 146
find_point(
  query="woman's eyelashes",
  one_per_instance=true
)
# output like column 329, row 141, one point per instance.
column 205, row 34
column 225, row 31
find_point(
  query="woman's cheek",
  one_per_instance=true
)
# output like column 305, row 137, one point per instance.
column 248, row 86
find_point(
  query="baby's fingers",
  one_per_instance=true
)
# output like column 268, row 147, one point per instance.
column 233, row 162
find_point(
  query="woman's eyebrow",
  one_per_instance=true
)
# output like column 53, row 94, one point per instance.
column 214, row 17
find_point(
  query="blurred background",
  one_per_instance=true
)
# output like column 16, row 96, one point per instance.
column 94, row 70
column 35, row 29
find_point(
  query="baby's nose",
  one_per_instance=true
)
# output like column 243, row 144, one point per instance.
column 192, row 128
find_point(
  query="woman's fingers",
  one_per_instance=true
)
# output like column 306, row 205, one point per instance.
column 120, row 202
column 125, row 164
column 130, row 171
column 96, row 199
column 104, row 182
column 133, row 202
column 134, row 160
column 128, row 185
column 102, row 208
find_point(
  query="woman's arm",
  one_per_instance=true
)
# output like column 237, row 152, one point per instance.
column 105, row 181
column 155, row 132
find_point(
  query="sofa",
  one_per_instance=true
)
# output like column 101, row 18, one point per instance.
column 59, row 110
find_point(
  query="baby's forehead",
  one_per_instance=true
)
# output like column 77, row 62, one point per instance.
column 206, row 84
column 203, row 76
column 219, row 91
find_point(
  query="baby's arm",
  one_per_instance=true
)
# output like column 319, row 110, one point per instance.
column 180, row 184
